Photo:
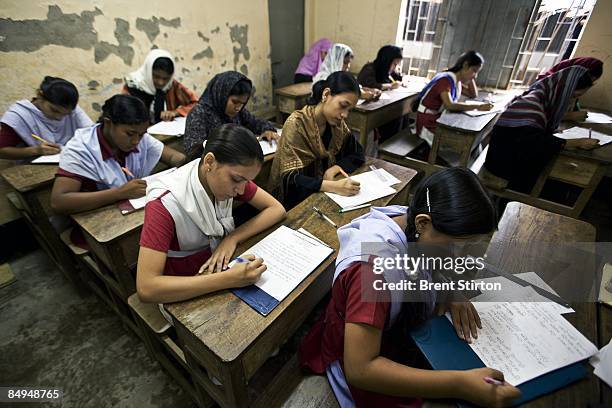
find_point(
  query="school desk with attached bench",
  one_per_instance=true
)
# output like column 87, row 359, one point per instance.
column 225, row 338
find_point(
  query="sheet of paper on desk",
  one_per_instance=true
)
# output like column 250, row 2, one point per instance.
column 290, row 256
column 515, row 292
column 602, row 363
column 497, row 107
column 527, row 339
column 596, row 117
column 383, row 97
column 577, row 132
column 175, row 127
column 373, row 185
column 50, row 159
column 138, row 203
column 268, row 148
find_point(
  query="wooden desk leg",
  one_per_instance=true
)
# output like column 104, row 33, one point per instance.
column 235, row 385
column 363, row 136
column 586, row 193
column 433, row 151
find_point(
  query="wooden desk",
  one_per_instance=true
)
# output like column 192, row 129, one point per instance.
column 291, row 98
column 368, row 116
column 33, row 183
column 523, row 224
column 223, row 336
column 457, row 133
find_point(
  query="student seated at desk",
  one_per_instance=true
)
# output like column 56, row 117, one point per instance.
column 153, row 83
column 444, row 91
column 595, row 68
column 522, row 141
column 223, row 101
column 105, row 163
column 317, row 145
column 310, row 63
column 363, row 345
column 53, row 115
column 188, row 236
column 382, row 72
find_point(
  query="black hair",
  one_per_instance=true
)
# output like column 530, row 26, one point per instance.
column 338, row 82
column 124, row 109
column 458, row 206
column 242, row 87
column 60, row 92
column 472, row 58
column 349, row 54
column 383, row 61
column 235, row 145
column 585, row 81
column 164, row 64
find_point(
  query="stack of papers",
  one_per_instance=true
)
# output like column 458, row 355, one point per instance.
column 170, row 128
column 580, row 132
column 525, row 340
column 373, row 185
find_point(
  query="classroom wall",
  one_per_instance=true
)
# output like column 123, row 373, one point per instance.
column 364, row 25
column 596, row 41
column 95, row 43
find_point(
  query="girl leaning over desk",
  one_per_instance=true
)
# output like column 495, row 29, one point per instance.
column 522, row 141
column 317, row 145
column 362, row 341
column 188, row 236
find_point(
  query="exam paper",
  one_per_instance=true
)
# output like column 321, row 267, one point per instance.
column 175, row 127
column 50, row 159
column 139, row 203
column 525, row 340
column 580, row 132
column 595, row 117
column 373, row 185
column 290, row 256
column 516, row 292
column 602, row 363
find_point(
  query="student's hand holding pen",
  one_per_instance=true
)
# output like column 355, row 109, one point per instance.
column 246, row 271
column 333, row 171
column 134, row 188
column 487, row 106
column 270, row 135
column 486, row 387
column 46, row 149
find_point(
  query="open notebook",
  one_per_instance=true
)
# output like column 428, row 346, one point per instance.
column 50, row 159
column 129, row 206
column 577, row 132
column 174, row 127
column 290, row 257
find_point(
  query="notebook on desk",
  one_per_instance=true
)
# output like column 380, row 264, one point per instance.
column 535, row 347
column 290, row 256
column 129, row 206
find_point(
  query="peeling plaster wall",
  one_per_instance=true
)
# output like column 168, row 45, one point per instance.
column 596, row 42
column 95, row 44
column 363, row 25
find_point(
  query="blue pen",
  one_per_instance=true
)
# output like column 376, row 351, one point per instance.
column 241, row 260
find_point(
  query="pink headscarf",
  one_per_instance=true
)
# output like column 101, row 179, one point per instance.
column 587, row 62
column 310, row 63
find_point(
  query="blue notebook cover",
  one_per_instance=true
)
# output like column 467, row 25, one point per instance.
column 438, row 341
column 256, row 298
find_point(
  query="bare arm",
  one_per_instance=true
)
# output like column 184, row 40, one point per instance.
column 21, row 153
column 66, row 197
column 172, row 157
column 470, row 89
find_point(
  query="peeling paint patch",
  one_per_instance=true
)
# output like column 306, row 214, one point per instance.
column 154, row 47
column 203, row 37
column 165, row 35
column 240, row 34
column 198, row 68
column 122, row 33
column 224, row 63
column 215, row 30
column 93, row 85
column 207, row 53
column 185, row 70
column 117, row 81
column 244, row 69
column 96, row 106
column 151, row 26
column 68, row 30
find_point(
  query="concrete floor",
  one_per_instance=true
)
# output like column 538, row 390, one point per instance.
column 51, row 336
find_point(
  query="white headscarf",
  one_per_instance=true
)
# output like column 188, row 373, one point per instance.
column 142, row 79
column 334, row 60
